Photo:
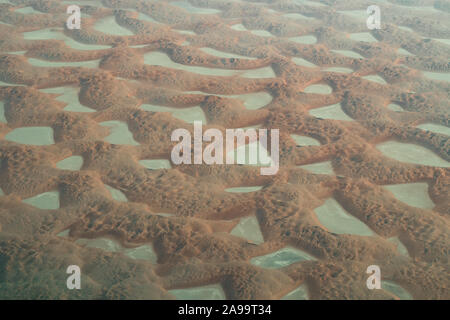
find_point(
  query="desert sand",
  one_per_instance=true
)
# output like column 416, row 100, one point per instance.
column 86, row 179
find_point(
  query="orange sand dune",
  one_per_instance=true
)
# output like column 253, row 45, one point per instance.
column 194, row 245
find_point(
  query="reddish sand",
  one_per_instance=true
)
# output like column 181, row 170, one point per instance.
column 194, row 246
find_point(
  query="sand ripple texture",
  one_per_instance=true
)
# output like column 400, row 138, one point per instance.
column 64, row 92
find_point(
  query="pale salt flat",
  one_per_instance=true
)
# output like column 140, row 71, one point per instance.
column 187, row 32
column 191, row 9
column 395, row 107
column 72, row 163
column 243, row 189
column 445, row 41
column 143, row 252
column 116, row 194
column 338, row 70
column 444, row 76
column 252, row 153
column 2, row 112
column 301, row 293
column 302, row 62
column 349, row 53
column 93, row 3
column 309, row 3
column 427, row 9
column 64, row 233
column 210, row 292
column 239, row 27
column 155, row 164
column 436, row 128
column 334, row 112
column 248, row 228
column 363, row 36
column 5, row 84
column 411, row 153
column 28, row 10
column 413, row 194
column 57, row 64
column 262, row 33
column 404, row 52
column 400, row 246
column 356, row 14
column 333, row 217
column 281, row 258
column 375, row 78
column 223, row 54
column 324, row 167
column 308, row 39
column 100, row 243
column 264, row 72
column 164, row 214
column 396, row 290
column 189, row 114
column 57, row 34
column 19, row 53
column 46, row 201
column 405, row 28
column 297, row 16
column 156, row 58
column 119, row 133
column 38, row 136
column 146, row 17
column 304, row 140
column 69, row 95
column 252, row 101
column 318, row 89
column 109, row 26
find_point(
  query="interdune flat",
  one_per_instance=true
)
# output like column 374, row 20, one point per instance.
column 281, row 258
column 156, row 164
column 210, row 292
column 395, row 289
column 413, row 194
column 304, row 140
column 119, row 133
column 2, row 112
column 435, row 128
column 248, row 228
column 116, row 194
column 337, row 220
column 319, row 167
column 162, row 59
column 301, row 293
column 69, row 95
column 71, row 163
column 411, row 153
column 45, row 201
column 334, row 112
column 38, row 136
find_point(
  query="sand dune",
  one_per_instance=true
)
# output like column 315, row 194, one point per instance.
column 86, row 118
